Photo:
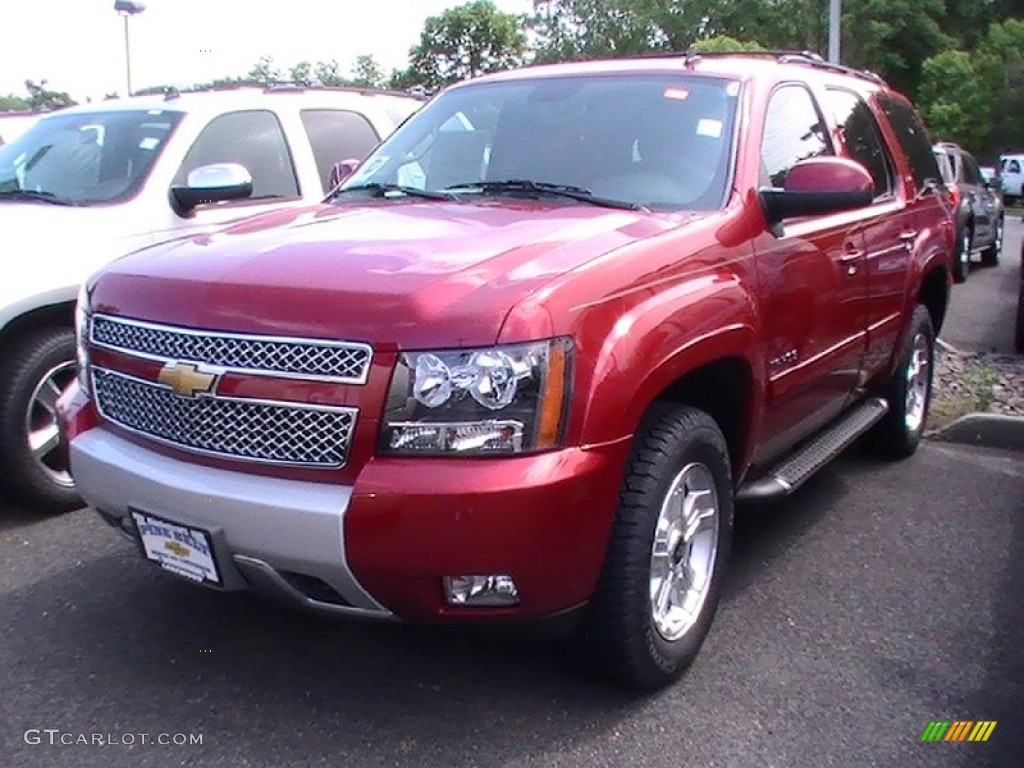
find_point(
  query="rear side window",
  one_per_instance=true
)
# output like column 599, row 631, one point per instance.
column 862, row 138
column 946, row 167
column 337, row 135
column 253, row 139
column 1011, row 166
column 913, row 139
column 972, row 174
column 793, row 131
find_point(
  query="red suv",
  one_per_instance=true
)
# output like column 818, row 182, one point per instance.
column 524, row 362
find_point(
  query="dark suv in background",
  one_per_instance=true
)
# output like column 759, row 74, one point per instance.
column 978, row 206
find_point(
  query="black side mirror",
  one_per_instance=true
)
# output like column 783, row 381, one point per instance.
column 211, row 184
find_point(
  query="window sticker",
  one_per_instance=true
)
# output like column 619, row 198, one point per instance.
column 712, row 128
column 677, row 94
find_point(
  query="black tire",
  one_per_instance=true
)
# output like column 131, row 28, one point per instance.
column 1018, row 333
column 990, row 256
column 962, row 255
column 27, row 363
column 619, row 633
column 896, row 436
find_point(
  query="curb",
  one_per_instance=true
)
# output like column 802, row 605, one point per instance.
column 988, row 430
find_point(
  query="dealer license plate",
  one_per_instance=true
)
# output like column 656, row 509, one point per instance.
column 180, row 549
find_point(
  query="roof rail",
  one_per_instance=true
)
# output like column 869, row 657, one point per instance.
column 809, row 58
column 286, row 86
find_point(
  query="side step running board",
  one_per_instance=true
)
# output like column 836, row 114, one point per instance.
column 795, row 469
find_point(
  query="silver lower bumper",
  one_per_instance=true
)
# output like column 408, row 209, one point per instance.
column 282, row 537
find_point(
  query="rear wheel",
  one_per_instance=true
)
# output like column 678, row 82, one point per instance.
column 908, row 392
column 990, row 256
column 37, row 369
column 962, row 257
column 660, row 583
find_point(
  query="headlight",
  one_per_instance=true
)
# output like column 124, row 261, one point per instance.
column 82, row 337
column 500, row 400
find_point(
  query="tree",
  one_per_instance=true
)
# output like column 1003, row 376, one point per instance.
column 367, row 72
column 301, row 72
column 41, row 98
column 13, row 103
column 466, row 41
column 264, row 71
column 1000, row 63
column 724, row 43
column 328, row 73
column 893, row 38
column 953, row 105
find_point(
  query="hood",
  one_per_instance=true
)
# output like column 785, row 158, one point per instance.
column 404, row 274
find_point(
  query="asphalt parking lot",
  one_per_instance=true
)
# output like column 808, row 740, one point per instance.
column 880, row 598
column 982, row 310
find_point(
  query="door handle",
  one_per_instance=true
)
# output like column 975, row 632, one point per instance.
column 849, row 258
column 908, row 234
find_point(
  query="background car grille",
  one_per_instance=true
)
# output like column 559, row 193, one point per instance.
column 242, row 429
column 346, row 362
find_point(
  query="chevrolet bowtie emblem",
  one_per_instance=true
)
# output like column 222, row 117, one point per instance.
column 176, row 548
column 185, row 379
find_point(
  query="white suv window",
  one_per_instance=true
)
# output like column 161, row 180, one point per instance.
column 253, row 139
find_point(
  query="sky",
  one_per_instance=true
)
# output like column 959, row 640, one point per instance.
column 78, row 45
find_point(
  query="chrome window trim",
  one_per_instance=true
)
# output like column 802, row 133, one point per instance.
column 297, row 341
column 291, row 405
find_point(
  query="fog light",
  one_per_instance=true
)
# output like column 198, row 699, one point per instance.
column 497, row 589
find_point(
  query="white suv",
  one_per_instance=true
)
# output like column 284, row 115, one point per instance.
column 88, row 184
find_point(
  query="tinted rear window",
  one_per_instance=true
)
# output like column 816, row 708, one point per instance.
column 913, row 138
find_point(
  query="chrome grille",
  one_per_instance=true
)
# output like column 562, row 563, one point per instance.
column 254, row 430
column 341, row 361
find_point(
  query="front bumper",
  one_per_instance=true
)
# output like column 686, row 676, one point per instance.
column 381, row 547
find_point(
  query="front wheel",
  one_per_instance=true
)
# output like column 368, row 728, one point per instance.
column 909, row 391
column 670, row 540
column 37, row 369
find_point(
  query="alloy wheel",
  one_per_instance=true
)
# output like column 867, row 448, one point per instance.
column 684, row 551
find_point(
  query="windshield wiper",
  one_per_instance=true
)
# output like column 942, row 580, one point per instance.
column 31, row 194
column 384, row 189
column 546, row 188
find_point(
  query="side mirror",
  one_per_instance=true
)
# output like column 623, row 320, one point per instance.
column 817, row 186
column 341, row 171
column 211, row 184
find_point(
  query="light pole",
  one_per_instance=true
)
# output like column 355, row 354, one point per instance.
column 128, row 8
column 834, row 23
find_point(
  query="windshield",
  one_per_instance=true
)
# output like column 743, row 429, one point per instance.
column 655, row 141
column 84, row 159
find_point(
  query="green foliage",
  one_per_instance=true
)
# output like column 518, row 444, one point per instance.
column 953, row 105
column 1001, row 66
column 463, row 42
column 13, row 103
column 41, row 98
column 726, row 44
column 264, row 71
column 367, row 73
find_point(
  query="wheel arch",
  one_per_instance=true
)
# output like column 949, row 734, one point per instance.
column 51, row 309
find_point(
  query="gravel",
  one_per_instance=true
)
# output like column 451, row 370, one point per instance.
column 967, row 382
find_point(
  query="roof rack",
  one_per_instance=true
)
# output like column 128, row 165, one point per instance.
column 809, row 58
column 286, row 86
